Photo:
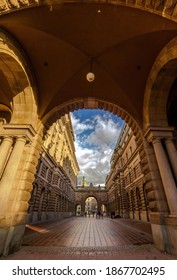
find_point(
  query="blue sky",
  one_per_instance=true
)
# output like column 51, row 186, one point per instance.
column 96, row 133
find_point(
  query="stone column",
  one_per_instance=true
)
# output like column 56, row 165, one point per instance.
column 4, row 151
column 172, row 152
column 166, row 175
column 10, row 172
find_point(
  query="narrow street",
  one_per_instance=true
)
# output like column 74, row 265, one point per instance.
column 88, row 238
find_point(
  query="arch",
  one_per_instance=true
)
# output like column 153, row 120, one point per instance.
column 18, row 98
column 104, row 208
column 85, row 197
column 89, row 103
column 158, row 86
column 78, row 209
column 21, row 105
column 95, row 103
column 91, row 206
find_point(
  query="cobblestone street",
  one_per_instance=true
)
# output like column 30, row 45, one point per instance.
column 88, row 238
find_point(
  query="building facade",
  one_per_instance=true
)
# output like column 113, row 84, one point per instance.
column 125, row 183
column 53, row 194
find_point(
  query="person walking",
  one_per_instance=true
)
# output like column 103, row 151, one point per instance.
column 99, row 213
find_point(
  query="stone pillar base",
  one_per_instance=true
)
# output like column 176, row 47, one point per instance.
column 125, row 215
column 164, row 231
column 171, row 227
column 132, row 216
column 11, row 239
column 144, row 216
column 137, row 216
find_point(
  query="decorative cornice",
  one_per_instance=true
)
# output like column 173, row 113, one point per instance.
column 16, row 130
column 164, row 8
column 155, row 132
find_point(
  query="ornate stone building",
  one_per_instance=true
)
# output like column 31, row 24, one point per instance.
column 53, row 193
column 83, row 193
column 125, row 183
column 45, row 55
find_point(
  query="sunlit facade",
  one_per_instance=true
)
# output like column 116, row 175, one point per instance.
column 125, row 182
column 56, row 176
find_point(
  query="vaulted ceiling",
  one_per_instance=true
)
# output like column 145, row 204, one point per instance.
column 60, row 42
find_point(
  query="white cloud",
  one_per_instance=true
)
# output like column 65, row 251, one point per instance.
column 80, row 127
column 94, row 148
column 105, row 134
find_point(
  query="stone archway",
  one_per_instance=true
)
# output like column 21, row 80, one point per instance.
column 47, row 121
column 160, row 135
column 81, row 195
column 88, row 103
column 24, row 130
column 94, row 103
column 91, row 205
column 161, row 78
column 19, row 142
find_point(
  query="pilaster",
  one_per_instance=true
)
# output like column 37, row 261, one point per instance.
column 155, row 136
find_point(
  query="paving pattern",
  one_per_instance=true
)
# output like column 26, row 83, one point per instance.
column 89, row 238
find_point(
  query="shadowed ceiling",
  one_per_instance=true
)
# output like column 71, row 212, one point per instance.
column 122, row 42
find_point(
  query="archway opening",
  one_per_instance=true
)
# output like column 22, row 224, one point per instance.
column 78, row 209
column 110, row 161
column 91, row 206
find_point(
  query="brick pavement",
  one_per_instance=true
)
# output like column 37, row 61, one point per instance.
column 88, row 238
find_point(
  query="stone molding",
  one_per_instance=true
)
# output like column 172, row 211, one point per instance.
column 154, row 132
column 15, row 130
column 166, row 8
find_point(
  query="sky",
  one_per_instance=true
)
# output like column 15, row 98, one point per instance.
column 96, row 133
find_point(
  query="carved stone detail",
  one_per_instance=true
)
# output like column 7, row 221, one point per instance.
column 166, row 8
column 4, row 5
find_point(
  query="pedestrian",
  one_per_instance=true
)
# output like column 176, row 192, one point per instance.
column 112, row 214
column 99, row 213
